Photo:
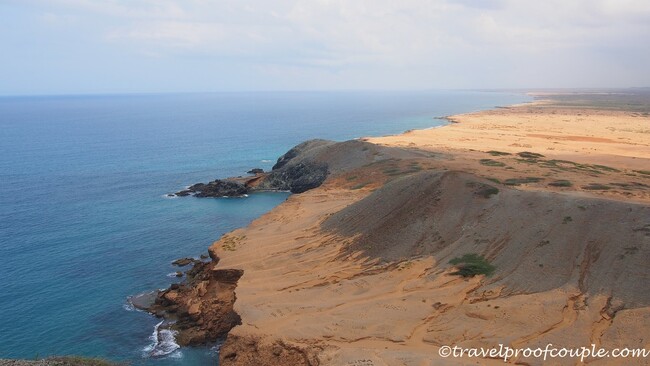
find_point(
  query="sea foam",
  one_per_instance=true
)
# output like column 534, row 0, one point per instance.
column 163, row 343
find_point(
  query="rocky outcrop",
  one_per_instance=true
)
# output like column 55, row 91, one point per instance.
column 296, row 171
column 216, row 188
column 300, row 151
column 201, row 308
column 296, row 178
column 304, row 167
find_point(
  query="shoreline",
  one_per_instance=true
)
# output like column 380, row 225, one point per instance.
column 295, row 286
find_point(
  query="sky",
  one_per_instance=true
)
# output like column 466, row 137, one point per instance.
column 120, row 46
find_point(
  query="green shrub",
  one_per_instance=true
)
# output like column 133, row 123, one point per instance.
column 498, row 153
column 606, row 168
column 561, row 183
column 530, row 155
column 472, row 264
column 487, row 191
column 519, row 181
column 596, row 187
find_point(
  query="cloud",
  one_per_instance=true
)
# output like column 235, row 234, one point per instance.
column 362, row 42
column 366, row 29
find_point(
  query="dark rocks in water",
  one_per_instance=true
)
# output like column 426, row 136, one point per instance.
column 179, row 274
column 204, row 256
column 216, row 188
column 183, row 193
column 255, row 171
column 143, row 301
column 220, row 188
column 182, row 262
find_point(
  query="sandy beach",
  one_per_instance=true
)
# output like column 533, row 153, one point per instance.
column 357, row 271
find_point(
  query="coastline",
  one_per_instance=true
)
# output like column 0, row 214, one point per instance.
column 302, row 278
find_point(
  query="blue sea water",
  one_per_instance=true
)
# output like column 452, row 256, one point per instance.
column 84, row 221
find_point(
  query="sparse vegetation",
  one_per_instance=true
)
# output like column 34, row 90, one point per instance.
column 230, row 242
column 530, row 155
column 395, row 170
column 350, row 178
column 498, row 153
column 490, row 162
column 644, row 172
column 472, row 264
column 561, row 183
column 519, row 181
column 487, row 191
column 565, row 165
column 567, row 219
column 631, row 185
column 596, row 187
column 415, row 167
column 359, row 186
column 80, row 361
column 606, row 168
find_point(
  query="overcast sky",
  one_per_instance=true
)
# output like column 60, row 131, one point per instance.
column 94, row 46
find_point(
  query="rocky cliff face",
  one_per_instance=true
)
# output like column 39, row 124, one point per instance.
column 201, row 308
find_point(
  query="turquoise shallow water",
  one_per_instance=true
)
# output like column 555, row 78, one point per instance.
column 83, row 218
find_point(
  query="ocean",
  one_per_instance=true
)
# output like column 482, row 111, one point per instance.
column 84, row 220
